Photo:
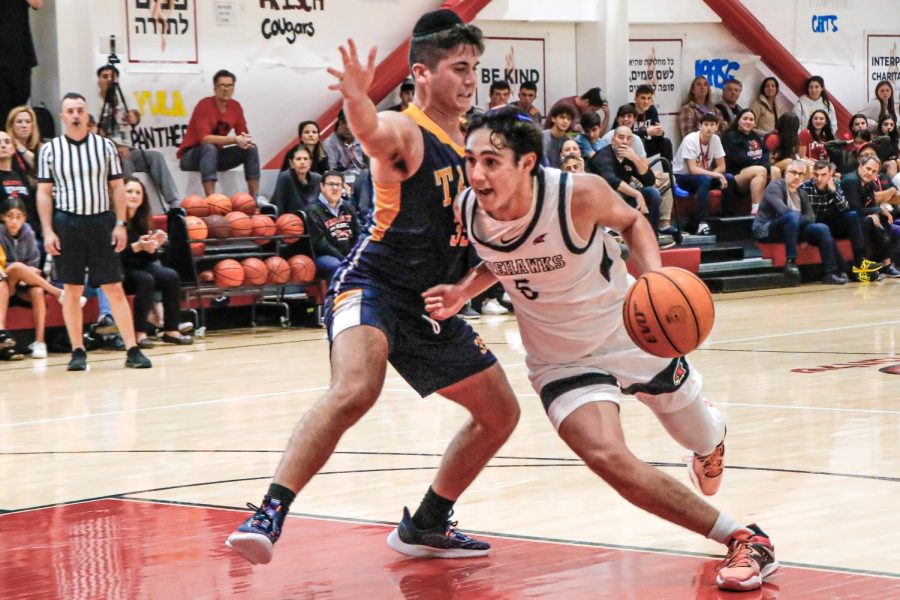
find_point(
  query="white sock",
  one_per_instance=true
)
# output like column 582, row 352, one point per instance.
column 698, row 426
column 723, row 529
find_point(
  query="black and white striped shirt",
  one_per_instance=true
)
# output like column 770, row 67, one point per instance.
column 79, row 172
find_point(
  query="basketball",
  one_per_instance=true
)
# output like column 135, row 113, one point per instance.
column 668, row 312
column 229, row 273
column 241, row 225
column 196, row 228
column 244, row 202
column 303, row 269
column 218, row 226
column 255, row 271
column 218, row 204
column 289, row 224
column 195, row 206
column 262, row 225
column 279, row 270
column 206, row 276
column 198, row 248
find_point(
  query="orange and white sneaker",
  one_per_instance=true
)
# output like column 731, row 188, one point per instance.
column 706, row 471
column 750, row 559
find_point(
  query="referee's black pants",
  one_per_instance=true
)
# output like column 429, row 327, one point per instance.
column 143, row 283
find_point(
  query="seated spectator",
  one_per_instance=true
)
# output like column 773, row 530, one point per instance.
column 625, row 116
column 859, row 190
column 590, row 101
column 884, row 190
column 116, row 124
column 588, row 140
column 218, row 139
column 24, row 277
column 729, row 107
column 619, row 165
column 887, row 144
column 646, row 124
column 747, row 158
column 332, row 224
column 22, row 127
column 498, row 94
column 882, row 105
column 698, row 104
column 308, row 135
column 345, row 155
column 407, row 93
column 786, row 216
column 816, row 136
column 845, row 152
column 826, row 198
column 13, row 183
column 815, row 98
column 561, row 116
column 784, row 143
column 297, row 186
column 699, row 166
column 569, row 147
column 572, row 163
column 144, row 274
column 525, row 103
column 765, row 107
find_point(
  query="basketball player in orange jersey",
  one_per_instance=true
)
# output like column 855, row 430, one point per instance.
column 540, row 233
column 375, row 312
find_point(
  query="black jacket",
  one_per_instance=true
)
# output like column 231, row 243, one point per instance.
column 332, row 235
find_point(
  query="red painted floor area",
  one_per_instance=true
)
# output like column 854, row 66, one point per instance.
column 110, row 549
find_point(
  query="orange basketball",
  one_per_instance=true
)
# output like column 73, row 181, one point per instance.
column 195, row 206
column 218, row 204
column 244, row 202
column 668, row 312
column 262, row 225
column 196, row 228
column 198, row 248
column 289, row 224
column 279, row 270
column 229, row 273
column 255, row 271
column 206, row 276
column 241, row 225
column 303, row 269
column 218, row 226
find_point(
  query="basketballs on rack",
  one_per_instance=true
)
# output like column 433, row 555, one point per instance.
column 244, row 202
column 289, row 224
column 279, row 270
column 303, row 269
column 228, row 273
column 255, row 271
column 195, row 206
column 206, row 276
column 263, row 226
column 196, row 228
column 219, row 204
column 218, row 226
column 241, row 225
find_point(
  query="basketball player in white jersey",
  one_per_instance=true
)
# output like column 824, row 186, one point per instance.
column 540, row 233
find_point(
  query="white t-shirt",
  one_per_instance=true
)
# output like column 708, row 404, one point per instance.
column 692, row 149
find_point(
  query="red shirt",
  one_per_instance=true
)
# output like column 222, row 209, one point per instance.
column 814, row 150
column 208, row 120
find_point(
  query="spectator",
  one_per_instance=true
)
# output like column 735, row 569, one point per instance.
column 590, row 101
column 816, row 97
column 619, row 165
column 817, row 134
column 784, row 144
column 333, row 227
column 786, row 216
column 525, row 103
column 588, row 140
column 826, row 197
column 13, row 184
column 498, row 94
column 572, row 163
column 218, row 139
column 116, row 124
column 881, row 105
column 298, row 186
column 625, row 117
column 698, row 104
column 880, row 236
column 570, row 147
column 144, row 274
column 21, row 125
column 887, row 144
column 765, row 107
column 17, row 50
column 345, row 155
column 845, row 152
column 308, row 134
column 729, row 107
column 646, row 124
column 699, row 166
column 747, row 158
column 886, row 194
column 561, row 116
column 407, row 93
column 76, row 173
column 7, row 341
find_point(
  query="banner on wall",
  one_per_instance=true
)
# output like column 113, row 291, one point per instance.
column 657, row 63
column 721, row 67
column 295, row 33
column 514, row 60
column 826, row 32
column 882, row 62
column 161, row 31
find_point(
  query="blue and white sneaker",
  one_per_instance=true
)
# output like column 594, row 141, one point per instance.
column 255, row 539
column 438, row 542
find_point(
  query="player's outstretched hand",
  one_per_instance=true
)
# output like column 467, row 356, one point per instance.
column 354, row 81
column 443, row 301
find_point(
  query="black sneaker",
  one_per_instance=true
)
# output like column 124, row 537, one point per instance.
column 106, row 326
column 890, row 271
column 10, row 354
column 791, row 269
column 136, row 359
column 834, row 279
column 255, row 539
column 6, row 339
column 443, row 541
column 78, row 362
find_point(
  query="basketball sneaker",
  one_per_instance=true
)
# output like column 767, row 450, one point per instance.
column 706, row 471
column 255, row 539
column 443, row 541
column 867, row 270
column 750, row 559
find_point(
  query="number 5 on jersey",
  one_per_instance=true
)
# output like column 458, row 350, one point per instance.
column 528, row 292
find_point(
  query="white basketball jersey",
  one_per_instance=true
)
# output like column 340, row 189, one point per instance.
column 567, row 291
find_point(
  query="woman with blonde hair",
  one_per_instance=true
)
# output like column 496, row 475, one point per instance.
column 699, row 103
column 21, row 125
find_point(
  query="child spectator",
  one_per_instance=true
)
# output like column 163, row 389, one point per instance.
column 887, row 144
column 784, row 143
column 882, row 105
column 817, row 134
column 588, row 140
column 590, row 101
column 646, row 124
column 747, row 158
column 765, row 107
column 815, row 98
column 561, row 116
column 525, row 103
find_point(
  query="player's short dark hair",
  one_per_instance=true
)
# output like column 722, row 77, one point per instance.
column 593, row 97
column 407, row 86
column 589, row 120
column 709, row 118
column 108, row 67
column 498, row 84
column 644, row 88
column 223, row 73
column 439, row 32
column 511, row 128
column 528, row 85
column 562, row 109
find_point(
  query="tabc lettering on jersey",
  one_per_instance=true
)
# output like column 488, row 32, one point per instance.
column 523, row 266
column 444, row 178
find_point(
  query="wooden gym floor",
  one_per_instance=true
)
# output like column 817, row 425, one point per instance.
column 124, row 484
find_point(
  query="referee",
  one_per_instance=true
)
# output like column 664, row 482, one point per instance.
column 76, row 173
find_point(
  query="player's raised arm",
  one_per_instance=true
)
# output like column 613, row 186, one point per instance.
column 389, row 139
